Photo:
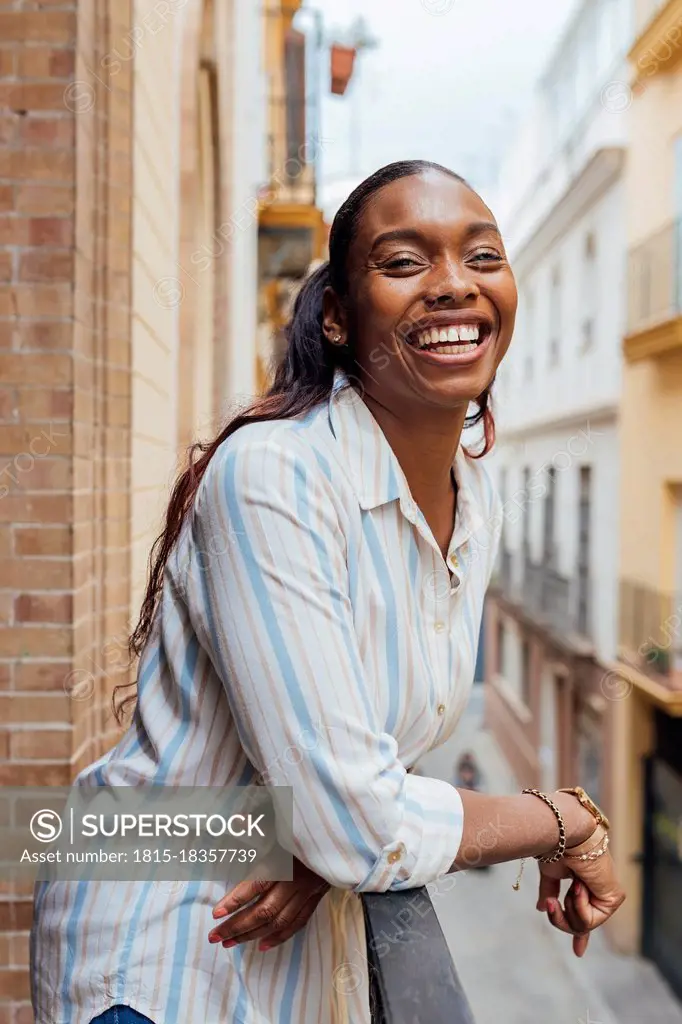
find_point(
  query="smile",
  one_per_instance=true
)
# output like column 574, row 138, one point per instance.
column 462, row 340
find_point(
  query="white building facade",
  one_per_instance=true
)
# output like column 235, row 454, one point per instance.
column 552, row 615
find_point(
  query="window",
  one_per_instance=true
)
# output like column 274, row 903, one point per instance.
column 525, row 522
column 584, row 520
column 501, row 643
column 678, row 213
column 555, row 322
column 503, row 499
column 548, row 552
column 589, row 292
column 525, row 672
column 528, row 335
column 294, row 65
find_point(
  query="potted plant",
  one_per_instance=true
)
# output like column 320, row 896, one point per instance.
column 342, row 62
column 658, row 659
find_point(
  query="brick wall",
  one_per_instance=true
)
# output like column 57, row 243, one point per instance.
column 65, row 200
column 113, row 352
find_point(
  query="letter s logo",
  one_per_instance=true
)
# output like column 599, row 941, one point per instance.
column 45, row 826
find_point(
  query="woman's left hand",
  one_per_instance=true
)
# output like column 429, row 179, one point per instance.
column 593, row 897
column 275, row 911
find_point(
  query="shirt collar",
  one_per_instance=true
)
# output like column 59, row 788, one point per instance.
column 375, row 471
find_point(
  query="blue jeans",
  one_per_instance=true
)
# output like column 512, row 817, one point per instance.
column 121, row 1015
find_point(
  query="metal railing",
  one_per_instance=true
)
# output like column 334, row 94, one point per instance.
column 563, row 603
column 651, row 628
column 655, row 279
column 412, row 976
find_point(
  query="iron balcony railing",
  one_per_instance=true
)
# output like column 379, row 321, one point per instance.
column 651, row 628
column 412, row 977
column 655, row 279
column 562, row 603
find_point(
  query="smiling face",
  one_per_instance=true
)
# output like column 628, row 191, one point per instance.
column 431, row 297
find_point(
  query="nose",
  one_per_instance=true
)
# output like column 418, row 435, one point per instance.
column 452, row 287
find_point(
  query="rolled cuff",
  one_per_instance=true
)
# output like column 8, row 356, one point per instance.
column 428, row 840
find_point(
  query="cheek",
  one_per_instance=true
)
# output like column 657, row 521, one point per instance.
column 383, row 301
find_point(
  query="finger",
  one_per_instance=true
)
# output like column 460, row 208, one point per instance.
column 580, row 895
column 549, row 888
column 263, row 917
column 578, row 926
column 576, row 923
column 240, row 896
column 299, row 921
column 557, row 917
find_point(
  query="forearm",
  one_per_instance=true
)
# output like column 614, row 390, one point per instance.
column 502, row 828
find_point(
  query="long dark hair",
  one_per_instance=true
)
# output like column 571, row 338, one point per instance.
column 303, row 379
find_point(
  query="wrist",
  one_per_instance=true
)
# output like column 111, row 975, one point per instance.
column 580, row 823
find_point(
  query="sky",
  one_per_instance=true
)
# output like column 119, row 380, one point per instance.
column 448, row 81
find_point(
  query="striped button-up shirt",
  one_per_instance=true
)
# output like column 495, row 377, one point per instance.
column 309, row 634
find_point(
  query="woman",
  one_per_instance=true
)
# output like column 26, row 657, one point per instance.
column 321, row 574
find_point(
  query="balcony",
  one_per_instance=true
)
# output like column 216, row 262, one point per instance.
column 655, row 294
column 651, row 632
column 561, row 603
column 658, row 46
column 412, row 976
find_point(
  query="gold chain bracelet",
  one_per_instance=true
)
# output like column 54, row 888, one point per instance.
column 561, row 847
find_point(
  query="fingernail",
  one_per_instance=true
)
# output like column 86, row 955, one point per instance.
column 264, row 947
column 551, row 906
column 578, row 889
column 214, row 938
column 219, row 912
column 228, row 943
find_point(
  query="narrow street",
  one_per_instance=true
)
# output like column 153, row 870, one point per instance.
column 514, row 966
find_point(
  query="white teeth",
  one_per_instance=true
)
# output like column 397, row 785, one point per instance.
column 440, row 338
column 452, row 349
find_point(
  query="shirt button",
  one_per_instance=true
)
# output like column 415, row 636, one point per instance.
column 394, row 857
column 439, row 627
column 441, row 709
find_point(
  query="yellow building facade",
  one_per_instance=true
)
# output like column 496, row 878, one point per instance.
column 646, row 686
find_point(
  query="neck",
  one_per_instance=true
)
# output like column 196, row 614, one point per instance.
column 425, row 444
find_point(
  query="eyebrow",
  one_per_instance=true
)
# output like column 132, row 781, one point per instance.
column 413, row 235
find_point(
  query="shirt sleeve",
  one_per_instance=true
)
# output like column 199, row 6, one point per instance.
column 273, row 612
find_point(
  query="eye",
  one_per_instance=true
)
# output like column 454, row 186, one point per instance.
column 401, row 263
column 486, row 256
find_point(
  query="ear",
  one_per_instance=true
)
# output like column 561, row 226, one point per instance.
column 334, row 320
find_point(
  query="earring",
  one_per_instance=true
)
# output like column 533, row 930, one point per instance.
column 336, row 338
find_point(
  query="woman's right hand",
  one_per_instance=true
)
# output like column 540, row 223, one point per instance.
column 592, row 899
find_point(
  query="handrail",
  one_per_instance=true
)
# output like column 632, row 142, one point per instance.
column 412, row 976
